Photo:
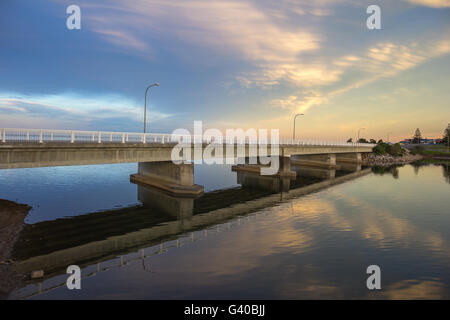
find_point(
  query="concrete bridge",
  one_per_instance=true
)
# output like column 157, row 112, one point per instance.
column 27, row 148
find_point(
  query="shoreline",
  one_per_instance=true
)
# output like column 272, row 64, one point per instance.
column 12, row 217
column 388, row 160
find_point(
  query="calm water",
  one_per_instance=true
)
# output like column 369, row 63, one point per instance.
column 236, row 243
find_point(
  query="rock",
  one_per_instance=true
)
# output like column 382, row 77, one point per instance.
column 37, row 274
column 387, row 160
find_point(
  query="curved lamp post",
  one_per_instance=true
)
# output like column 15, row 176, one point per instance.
column 145, row 107
column 293, row 133
column 357, row 141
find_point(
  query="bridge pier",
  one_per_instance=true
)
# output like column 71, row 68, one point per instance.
column 273, row 184
column 249, row 175
column 350, row 167
column 284, row 169
column 165, row 175
column 354, row 157
column 326, row 161
column 177, row 207
column 315, row 172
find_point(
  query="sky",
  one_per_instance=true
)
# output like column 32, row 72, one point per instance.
column 231, row 64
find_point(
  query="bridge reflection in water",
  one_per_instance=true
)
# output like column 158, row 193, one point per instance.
column 101, row 240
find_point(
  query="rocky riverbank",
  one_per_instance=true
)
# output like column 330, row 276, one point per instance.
column 12, row 217
column 373, row 159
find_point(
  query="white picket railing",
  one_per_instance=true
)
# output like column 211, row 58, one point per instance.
column 74, row 136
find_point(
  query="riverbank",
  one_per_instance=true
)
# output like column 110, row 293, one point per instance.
column 373, row 159
column 430, row 151
column 12, row 217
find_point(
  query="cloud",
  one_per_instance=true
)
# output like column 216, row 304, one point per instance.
column 277, row 44
column 76, row 108
column 236, row 26
column 305, row 75
column 123, row 38
column 300, row 104
column 431, row 3
column 272, row 42
column 239, row 29
column 383, row 60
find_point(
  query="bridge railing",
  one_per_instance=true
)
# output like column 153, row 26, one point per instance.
column 76, row 136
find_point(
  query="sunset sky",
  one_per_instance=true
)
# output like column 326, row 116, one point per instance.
column 232, row 64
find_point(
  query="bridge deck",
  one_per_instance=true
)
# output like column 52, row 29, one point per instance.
column 35, row 154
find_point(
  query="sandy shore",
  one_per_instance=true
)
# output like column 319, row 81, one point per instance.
column 12, row 217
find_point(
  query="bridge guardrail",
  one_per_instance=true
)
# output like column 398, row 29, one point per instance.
column 76, row 136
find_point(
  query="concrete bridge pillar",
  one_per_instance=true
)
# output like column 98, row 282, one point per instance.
column 350, row 167
column 273, row 184
column 354, row 157
column 315, row 172
column 284, row 168
column 326, row 161
column 249, row 175
column 177, row 207
column 167, row 176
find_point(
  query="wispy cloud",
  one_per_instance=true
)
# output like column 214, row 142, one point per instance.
column 75, row 107
column 431, row 3
column 238, row 27
column 383, row 60
column 300, row 104
column 123, row 38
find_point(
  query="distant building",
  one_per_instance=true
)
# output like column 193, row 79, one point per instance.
column 406, row 141
column 422, row 141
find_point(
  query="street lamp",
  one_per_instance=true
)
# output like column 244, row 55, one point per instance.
column 145, row 107
column 358, row 133
column 293, row 133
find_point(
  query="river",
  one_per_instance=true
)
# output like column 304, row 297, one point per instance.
column 313, row 241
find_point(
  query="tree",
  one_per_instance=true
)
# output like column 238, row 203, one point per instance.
column 446, row 135
column 417, row 136
column 373, row 141
column 362, row 140
column 350, row 140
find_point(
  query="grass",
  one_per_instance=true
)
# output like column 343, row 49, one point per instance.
column 435, row 152
column 431, row 150
column 436, row 147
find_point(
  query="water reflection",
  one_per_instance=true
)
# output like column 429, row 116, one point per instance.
column 393, row 170
column 445, row 165
column 261, row 236
column 94, row 237
column 446, row 171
